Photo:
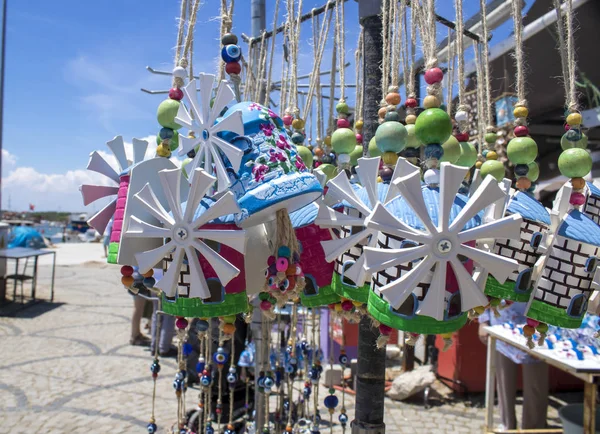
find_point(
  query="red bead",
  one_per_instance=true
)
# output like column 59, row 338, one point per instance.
column 265, row 305
column 343, row 123
column 176, row 94
column 331, row 306
column 126, row 270
column 347, row 305
column 533, row 323
column 154, row 375
column 577, row 199
column 521, row 131
column 233, row 68
column 411, row 103
column 317, row 164
column 359, row 138
column 385, row 330
column 462, row 137
column 433, row 75
column 567, row 127
column 181, row 323
column 205, row 372
column 287, row 120
column 218, row 410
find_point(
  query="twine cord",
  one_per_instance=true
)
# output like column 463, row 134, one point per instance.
column 486, row 66
column 517, row 13
column 339, row 22
column 567, row 52
column 270, row 73
column 450, row 74
column 358, row 59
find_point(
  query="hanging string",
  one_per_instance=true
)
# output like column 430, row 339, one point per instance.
column 486, row 66
column 358, row 60
column 270, row 73
column 294, row 39
column 385, row 25
column 232, row 386
column 180, row 28
column 567, row 53
column 480, row 97
column 404, row 38
column 226, row 24
column 450, row 74
column 396, row 43
column 339, row 23
column 190, row 34
column 261, row 68
column 427, row 27
column 284, row 71
column 460, row 55
column 517, row 14
column 332, row 80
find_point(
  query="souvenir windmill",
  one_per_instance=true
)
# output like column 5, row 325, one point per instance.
column 431, row 227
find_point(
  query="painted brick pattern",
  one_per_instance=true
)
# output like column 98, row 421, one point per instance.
column 592, row 208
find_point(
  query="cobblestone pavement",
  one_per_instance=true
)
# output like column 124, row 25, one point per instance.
column 70, row 369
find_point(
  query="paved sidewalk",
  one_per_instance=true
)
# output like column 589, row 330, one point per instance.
column 70, row 369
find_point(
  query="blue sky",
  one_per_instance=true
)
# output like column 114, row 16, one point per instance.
column 73, row 76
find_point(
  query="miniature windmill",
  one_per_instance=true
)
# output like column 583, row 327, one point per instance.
column 203, row 122
column 115, row 208
column 183, row 237
column 440, row 244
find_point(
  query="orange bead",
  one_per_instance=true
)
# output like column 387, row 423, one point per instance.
column 149, row 273
column 528, row 330
column 393, row 98
column 318, row 152
column 127, row 281
column 228, row 329
column 523, row 183
column 291, row 270
column 382, row 111
column 578, row 183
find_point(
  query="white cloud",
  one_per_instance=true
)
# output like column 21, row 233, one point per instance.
column 57, row 191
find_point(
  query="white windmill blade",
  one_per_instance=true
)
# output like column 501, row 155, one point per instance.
column 233, row 154
column 334, row 248
column 321, row 177
column 488, row 193
column 434, row 304
column 506, row 227
column 192, row 97
column 382, row 259
column 480, row 277
column 367, row 171
column 502, row 204
column 224, row 206
column 470, row 294
column 499, row 266
column 207, row 82
column 381, row 220
column 186, row 144
column 150, row 202
column 140, row 229
column 117, row 146
column 200, row 184
column 561, row 204
column 475, row 182
column 398, row 290
column 223, row 97
column 329, row 218
column 147, row 260
column 91, row 193
column 232, row 238
column 139, row 150
column 223, row 268
column 233, row 122
column 357, row 272
column 100, row 220
column 223, row 181
column 403, row 168
column 198, row 286
column 170, row 180
column 184, row 119
column 451, row 178
column 341, row 188
column 100, row 165
column 168, row 283
column 410, row 189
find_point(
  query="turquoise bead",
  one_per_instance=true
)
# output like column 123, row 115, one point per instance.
column 468, row 155
column 522, row 150
column 575, row 163
column 493, row 168
column 391, row 137
column 451, row 150
column 433, row 126
column 167, row 110
column 343, row 141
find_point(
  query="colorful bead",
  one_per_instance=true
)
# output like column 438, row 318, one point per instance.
column 220, row 357
column 176, row 94
column 434, row 75
column 381, row 112
column 393, row 98
column 355, row 155
column 521, row 169
column 359, row 124
column 577, row 199
column 433, row 126
column 287, row 120
column 574, row 119
column 451, row 150
column 410, row 103
column 265, row 305
column 149, row 282
column 491, row 155
column 468, row 155
column 305, row 155
column 343, row 123
column 573, row 139
column 126, row 270
column 342, row 107
column 578, row 183
column 343, row 141
column 575, row 163
column 461, row 116
column 179, row 72
column 434, row 150
column 166, row 113
column 528, row 330
column 297, row 138
column 462, row 137
column 202, row 325
column 522, row 150
column 493, row 168
column 432, row 177
column 331, row 401
column 431, row 101
column 523, row 183
column 392, row 116
column 233, row 68
column 127, row 281
column 228, row 329
column 152, row 428
column 542, row 328
column 520, row 112
column 491, row 138
column 359, row 138
column 390, row 158
column 534, row 171
column 410, row 119
column 231, row 53
column 181, row 323
column 229, row 39
column 297, row 124
column 521, row 131
column 385, row 330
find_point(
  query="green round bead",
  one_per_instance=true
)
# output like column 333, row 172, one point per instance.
column 329, row 170
column 306, row 155
column 411, row 140
column 433, row 126
column 468, row 155
column 173, row 142
column 391, row 137
column 343, row 141
column 568, row 144
column 494, row 168
column 451, row 150
column 263, row 296
column 373, row 149
column 185, row 163
column 491, row 138
column 534, row 171
column 356, row 154
column 575, row 163
column 342, row 107
column 522, row 150
column 167, row 110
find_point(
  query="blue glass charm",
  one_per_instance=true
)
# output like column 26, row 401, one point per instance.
column 205, row 380
column 187, row 349
column 434, row 151
column 220, row 357
column 231, row 53
column 331, row 401
column 343, row 418
column 343, row 359
column 151, row 428
column 155, row 367
column 232, row 376
column 202, row 325
column 200, row 365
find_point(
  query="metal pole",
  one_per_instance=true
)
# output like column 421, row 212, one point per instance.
column 2, row 69
column 370, row 377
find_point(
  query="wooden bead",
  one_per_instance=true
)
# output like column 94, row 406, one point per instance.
column 127, row 281
column 298, row 124
column 228, row 328
column 327, row 140
column 150, row 273
column 381, row 112
column 528, row 330
column 390, row 158
column 393, row 98
column 411, row 119
column 431, row 101
column 478, row 164
column 574, row 119
column 359, row 124
column 578, row 183
column 491, row 155
column 521, row 112
column 523, row 183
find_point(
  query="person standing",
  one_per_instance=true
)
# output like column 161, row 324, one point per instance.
column 106, row 240
column 508, row 358
column 164, row 340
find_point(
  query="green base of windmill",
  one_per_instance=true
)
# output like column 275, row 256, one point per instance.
column 232, row 304
column 505, row 291
column 424, row 325
column 113, row 252
column 351, row 292
column 323, row 297
column 556, row 316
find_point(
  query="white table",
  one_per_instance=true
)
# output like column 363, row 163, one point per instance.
column 587, row 370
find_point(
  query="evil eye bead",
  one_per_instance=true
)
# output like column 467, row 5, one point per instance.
column 343, row 359
column 284, row 285
column 306, row 392
column 282, row 264
column 343, row 419
column 290, row 368
column 269, row 383
column 152, row 428
column 232, row 378
column 220, row 357
column 231, row 53
column 271, row 281
column 205, row 380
